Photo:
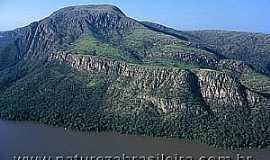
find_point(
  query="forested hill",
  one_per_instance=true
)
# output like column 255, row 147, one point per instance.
column 252, row 48
column 92, row 68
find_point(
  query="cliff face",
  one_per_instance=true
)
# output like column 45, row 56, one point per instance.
column 220, row 89
column 143, row 80
column 205, row 86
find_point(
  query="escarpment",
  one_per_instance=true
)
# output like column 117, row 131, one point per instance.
column 219, row 89
column 206, row 87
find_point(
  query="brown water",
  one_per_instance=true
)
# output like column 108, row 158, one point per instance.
column 28, row 139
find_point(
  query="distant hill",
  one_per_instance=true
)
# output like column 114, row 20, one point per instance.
column 252, row 48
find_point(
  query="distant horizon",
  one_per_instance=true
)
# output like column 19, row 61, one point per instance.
column 182, row 16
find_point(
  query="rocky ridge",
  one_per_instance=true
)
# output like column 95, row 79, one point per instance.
column 215, row 88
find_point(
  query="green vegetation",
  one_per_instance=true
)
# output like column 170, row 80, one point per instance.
column 257, row 82
column 158, row 62
column 162, row 99
column 88, row 45
column 249, row 47
column 176, row 48
column 57, row 95
column 142, row 46
column 54, row 95
column 150, row 43
column 8, row 55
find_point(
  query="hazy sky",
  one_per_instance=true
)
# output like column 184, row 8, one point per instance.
column 240, row 15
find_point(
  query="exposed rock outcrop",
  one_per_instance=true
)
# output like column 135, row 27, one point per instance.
column 214, row 87
column 236, row 66
column 196, row 59
column 218, row 88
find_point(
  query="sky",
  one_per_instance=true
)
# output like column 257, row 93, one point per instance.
column 237, row 15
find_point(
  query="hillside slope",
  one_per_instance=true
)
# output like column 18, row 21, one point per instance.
column 92, row 68
column 252, row 48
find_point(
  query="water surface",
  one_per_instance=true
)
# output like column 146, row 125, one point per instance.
column 29, row 139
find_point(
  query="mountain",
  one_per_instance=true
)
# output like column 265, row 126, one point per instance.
column 92, row 68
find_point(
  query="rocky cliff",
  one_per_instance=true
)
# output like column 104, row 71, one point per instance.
column 214, row 88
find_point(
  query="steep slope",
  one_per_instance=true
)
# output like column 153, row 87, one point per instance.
column 214, row 86
column 250, row 47
column 93, row 68
column 8, row 50
column 33, row 43
column 239, row 52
